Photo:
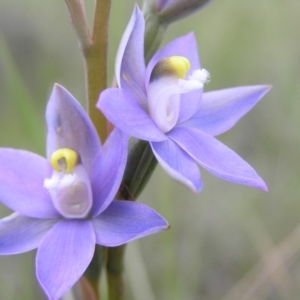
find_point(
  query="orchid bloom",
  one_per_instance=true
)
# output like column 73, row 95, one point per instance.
column 164, row 104
column 64, row 204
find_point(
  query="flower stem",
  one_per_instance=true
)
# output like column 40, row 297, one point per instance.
column 94, row 51
column 90, row 280
column 140, row 166
column 88, row 291
column 96, row 65
column 114, row 270
column 154, row 31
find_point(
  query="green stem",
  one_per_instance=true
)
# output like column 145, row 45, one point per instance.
column 96, row 65
column 114, row 271
column 87, row 290
column 115, row 261
column 140, row 166
column 136, row 176
column 94, row 51
column 92, row 274
column 154, row 31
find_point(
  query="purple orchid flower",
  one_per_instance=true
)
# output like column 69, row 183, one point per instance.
column 65, row 207
column 164, row 104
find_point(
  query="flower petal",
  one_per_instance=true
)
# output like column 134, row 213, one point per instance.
column 220, row 110
column 130, row 65
column 177, row 47
column 178, row 164
column 64, row 255
column 124, row 221
column 21, row 183
column 20, row 234
column 216, row 157
column 121, row 109
column 190, row 102
column 164, row 102
column 69, row 126
column 108, row 169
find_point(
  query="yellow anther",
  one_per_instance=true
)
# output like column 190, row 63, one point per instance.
column 64, row 157
column 172, row 65
column 179, row 64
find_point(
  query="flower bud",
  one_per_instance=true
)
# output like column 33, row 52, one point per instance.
column 173, row 10
column 159, row 14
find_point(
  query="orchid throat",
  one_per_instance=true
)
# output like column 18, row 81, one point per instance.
column 169, row 79
column 69, row 185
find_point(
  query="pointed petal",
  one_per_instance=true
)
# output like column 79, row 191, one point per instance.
column 130, row 65
column 21, row 183
column 108, row 169
column 220, row 110
column 64, row 255
column 125, row 113
column 124, row 221
column 178, row 164
column 216, row 157
column 20, row 234
column 69, row 126
column 190, row 102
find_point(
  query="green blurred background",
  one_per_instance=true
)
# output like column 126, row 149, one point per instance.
column 229, row 242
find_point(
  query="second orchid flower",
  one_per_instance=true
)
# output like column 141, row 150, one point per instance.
column 164, row 104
